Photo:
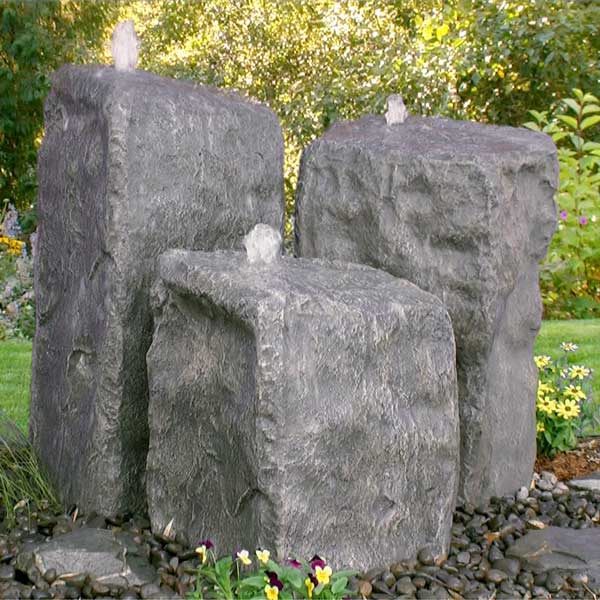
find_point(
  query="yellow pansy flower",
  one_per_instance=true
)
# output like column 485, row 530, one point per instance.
column 569, row 409
column 201, row 552
column 310, row 586
column 271, row 592
column 244, row 557
column 323, row 574
column 263, row 556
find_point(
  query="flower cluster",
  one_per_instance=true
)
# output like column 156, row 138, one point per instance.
column 239, row 576
column 17, row 310
column 12, row 245
column 564, row 407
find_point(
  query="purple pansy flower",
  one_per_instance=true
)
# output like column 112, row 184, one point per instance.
column 274, row 580
column 207, row 544
column 294, row 563
column 313, row 579
column 317, row 561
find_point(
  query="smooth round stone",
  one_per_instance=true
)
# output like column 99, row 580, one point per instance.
column 397, row 569
column 39, row 594
column 455, row 584
column 495, row 576
column 7, row 573
column 425, row 557
column 522, row 494
column 554, row 582
column 50, row 575
column 510, row 566
column 405, row 586
column 540, row 592
column 539, row 579
column 99, row 589
column 578, row 579
column 365, row 588
column 380, row 587
column 525, row 579
column 495, row 554
column 149, row 590
column 389, row 579
column 419, row 582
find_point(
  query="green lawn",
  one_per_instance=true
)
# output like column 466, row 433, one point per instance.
column 15, row 377
column 15, row 361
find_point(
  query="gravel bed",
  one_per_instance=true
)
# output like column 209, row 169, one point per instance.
column 477, row 565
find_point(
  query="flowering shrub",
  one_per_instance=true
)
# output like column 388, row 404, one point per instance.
column 570, row 276
column 17, row 310
column 234, row 577
column 564, row 402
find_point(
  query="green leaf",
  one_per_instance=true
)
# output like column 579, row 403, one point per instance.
column 572, row 104
column 339, row 585
column 589, row 121
column 255, row 581
column 570, row 121
column 590, row 98
column 590, row 108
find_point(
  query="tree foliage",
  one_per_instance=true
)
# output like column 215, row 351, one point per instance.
column 312, row 62
column 35, row 38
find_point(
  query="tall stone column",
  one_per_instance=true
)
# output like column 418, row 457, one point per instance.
column 131, row 164
column 465, row 211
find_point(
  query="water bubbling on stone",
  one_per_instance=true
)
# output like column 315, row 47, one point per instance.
column 125, row 46
column 263, row 244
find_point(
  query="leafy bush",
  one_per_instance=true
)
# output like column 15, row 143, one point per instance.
column 565, row 408
column 570, row 277
column 229, row 577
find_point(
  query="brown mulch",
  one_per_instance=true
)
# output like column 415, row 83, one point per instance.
column 583, row 460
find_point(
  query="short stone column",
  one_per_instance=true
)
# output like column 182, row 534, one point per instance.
column 466, row 212
column 131, row 164
column 302, row 406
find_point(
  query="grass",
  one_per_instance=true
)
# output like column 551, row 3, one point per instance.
column 15, row 378
column 15, row 362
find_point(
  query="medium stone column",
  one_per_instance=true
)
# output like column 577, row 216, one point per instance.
column 466, row 212
column 302, row 406
column 131, row 164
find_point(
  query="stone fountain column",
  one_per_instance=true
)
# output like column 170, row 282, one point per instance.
column 131, row 164
column 465, row 211
column 301, row 406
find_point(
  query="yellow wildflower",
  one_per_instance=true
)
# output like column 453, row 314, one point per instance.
column 323, row 574
column 310, row 586
column 244, row 557
column 569, row 409
column 271, row 592
column 568, row 347
column 540, row 427
column 541, row 362
column 575, row 392
column 546, row 405
column 263, row 556
column 544, row 388
column 578, row 372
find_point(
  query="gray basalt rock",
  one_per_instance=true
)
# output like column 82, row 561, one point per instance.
column 108, row 557
column 465, row 211
column 131, row 164
column 301, row 406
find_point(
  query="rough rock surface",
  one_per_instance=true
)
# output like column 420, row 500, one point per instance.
column 301, row 406
column 131, row 164
column 108, row 558
column 465, row 211
column 560, row 548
